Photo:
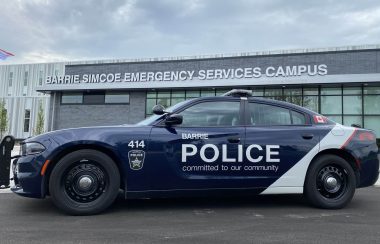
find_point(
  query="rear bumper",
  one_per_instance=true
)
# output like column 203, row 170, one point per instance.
column 369, row 171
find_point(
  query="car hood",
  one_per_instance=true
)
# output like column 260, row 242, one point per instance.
column 95, row 133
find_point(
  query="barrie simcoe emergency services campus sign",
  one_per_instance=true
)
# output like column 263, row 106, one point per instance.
column 182, row 75
column 181, row 78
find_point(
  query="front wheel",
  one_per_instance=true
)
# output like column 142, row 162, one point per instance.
column 330, row 182
column 84, row 182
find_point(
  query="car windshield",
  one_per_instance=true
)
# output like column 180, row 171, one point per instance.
column 155, row 117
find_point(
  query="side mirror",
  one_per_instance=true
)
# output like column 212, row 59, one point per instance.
column 173, row 119
column 356, row 126
column 158, row 109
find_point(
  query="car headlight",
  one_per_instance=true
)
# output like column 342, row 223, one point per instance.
column 30, row 148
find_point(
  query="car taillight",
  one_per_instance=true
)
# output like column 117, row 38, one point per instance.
column 361, row 135
column 366, row 136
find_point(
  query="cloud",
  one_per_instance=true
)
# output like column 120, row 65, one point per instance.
column 57, row 30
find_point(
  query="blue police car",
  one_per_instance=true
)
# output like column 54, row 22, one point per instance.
column 234, row 144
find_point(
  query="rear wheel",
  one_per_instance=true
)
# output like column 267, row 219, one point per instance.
column 330, row 182
column 84, row 182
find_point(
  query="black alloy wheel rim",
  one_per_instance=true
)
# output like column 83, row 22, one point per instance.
column 332, row 182
column 85, row 181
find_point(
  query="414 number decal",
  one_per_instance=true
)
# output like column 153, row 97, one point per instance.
column 136, row 144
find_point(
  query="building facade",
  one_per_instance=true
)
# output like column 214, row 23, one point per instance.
column 21, row 101
column 340, row 83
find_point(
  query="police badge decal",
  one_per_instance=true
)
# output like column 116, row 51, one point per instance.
column 136, row 159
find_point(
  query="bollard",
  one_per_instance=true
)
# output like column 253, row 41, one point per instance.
column 6, row 148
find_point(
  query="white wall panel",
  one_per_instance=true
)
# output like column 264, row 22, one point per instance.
column 19, row 97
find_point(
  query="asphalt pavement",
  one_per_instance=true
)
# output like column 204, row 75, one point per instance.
column 260, row 219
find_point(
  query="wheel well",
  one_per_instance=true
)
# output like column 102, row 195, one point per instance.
column 343, row 154
column 61, row 154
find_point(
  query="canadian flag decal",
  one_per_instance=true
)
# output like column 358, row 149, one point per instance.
column 319, row 119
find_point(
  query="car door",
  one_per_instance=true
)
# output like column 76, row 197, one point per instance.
column 194, row 154
column 277, row 138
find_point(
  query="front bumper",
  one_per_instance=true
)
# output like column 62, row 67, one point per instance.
column 27, row 178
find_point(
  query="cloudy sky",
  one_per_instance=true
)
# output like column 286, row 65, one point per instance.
column 59, row 30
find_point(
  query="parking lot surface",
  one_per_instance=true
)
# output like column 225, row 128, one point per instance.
column 261, row 219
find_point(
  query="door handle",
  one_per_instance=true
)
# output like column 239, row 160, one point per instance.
column 233, row 139
column 307, row 136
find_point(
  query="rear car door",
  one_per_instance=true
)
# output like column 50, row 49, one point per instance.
column 277, row 137
column 192, row 156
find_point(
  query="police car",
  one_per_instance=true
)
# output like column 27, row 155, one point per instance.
column 230, row 145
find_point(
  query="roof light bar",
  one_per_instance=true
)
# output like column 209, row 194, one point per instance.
column 238, row 93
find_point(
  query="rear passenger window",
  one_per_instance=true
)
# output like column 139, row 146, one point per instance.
column 266, row 115
column 298, row 118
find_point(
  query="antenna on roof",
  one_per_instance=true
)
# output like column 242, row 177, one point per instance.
column 238, row 93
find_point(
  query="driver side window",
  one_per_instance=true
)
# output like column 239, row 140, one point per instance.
column 214, row 114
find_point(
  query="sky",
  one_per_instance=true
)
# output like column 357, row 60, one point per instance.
column 72, row 30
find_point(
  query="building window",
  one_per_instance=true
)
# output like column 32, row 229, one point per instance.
column 350, row 120
column 331, row 91
column 10, row 83
column 371, row 90
column 25, row 89
column 94, row 98
column 311, row 102
column 352, row 104
column 40, row 78
column 177, row 97
column 150, row 102
column 26, row 76
column 207, row 92
column 163, row 98
column 170, row 98
column 273, row 93
column 310, row 91
column 258, row 92
column 352, row 90
column 192, row 94
column 331, row 102
column 371, row 108
column 72, row 98
column 26, row 120
column 293, row 95
column 372, row 122
column 10, row 80
column 331, row 105
column 372, row 104
column 117, row 97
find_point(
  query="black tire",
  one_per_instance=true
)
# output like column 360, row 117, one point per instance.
column 322, row 190
column 84, row 182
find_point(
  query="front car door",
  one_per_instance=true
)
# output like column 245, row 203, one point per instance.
column 193, row 155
